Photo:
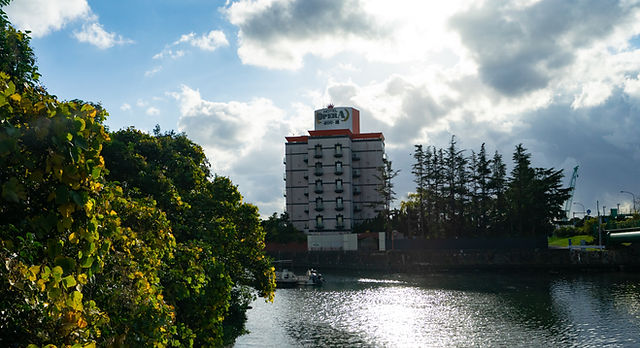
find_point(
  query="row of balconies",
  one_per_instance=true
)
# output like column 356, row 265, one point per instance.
column 356, row 207
column 319, row 189
column 339, row 222
column 318, row 154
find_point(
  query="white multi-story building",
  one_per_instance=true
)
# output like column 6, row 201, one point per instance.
column 332, row 174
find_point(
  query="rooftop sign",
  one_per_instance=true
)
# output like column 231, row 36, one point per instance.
column 337, row 118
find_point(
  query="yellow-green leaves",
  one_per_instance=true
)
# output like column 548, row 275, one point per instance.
column 13, row 191
column 69, row 281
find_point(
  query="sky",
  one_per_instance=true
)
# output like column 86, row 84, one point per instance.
column 560, row 77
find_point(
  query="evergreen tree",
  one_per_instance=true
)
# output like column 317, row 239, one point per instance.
column 385, row 189
column 497, row 187
column 420, row 176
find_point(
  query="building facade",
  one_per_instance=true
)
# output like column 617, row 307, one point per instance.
column 332, row 174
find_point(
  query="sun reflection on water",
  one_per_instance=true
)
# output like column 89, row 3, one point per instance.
column 449, row 311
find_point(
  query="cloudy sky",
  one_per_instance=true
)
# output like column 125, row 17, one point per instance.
column 561, row 77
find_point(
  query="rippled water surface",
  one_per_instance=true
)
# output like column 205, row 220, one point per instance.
column 452, row 310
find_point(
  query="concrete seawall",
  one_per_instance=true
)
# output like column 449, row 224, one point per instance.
column 470, row 259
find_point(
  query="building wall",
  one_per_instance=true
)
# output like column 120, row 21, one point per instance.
column 314, row 160
column 370, row 154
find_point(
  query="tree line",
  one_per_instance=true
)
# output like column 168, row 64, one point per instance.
column 114, row 238
column 460, row 195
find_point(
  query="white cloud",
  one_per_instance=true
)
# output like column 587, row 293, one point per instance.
column 152, row 111
column 125, row 107
column 44, row 16
column 593, row 93
column 207, row 42
column 94, row 34
column 243, row 140
column 153, row 71
column 169, row 53
column 279, row 34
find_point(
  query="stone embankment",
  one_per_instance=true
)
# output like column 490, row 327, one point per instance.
column 467, row 259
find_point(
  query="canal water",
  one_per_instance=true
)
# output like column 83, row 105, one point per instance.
column 452, row 310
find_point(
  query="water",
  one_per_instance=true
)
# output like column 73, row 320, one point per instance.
column 452, row 310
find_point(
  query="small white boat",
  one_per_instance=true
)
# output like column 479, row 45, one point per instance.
column 286, row 278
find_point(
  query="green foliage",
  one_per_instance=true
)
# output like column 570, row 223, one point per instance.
column 88, row 255
column 458, row 196
column 281, row 230
column 377, row 224
column 207, row 217
column 566, row 231
column 16, row 56
column 51, row 211
column 575, row 240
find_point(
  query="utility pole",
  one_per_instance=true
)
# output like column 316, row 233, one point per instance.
column 632, row 197
column 599, row 224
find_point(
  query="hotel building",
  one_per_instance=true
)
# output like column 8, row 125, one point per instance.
column 332, row 174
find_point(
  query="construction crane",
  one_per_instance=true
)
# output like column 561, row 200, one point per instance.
column 572, row 189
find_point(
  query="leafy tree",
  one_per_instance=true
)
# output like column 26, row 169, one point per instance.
column 86, row 261
column 205, row 213
column 60, row 234
column 280, row 229
column 16, row 56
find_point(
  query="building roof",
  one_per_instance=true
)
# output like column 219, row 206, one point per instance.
column 334, row 132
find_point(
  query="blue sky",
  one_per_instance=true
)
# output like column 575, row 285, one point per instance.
column 561, row 77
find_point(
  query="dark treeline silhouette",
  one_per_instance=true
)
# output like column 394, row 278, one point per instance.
column 459, row 195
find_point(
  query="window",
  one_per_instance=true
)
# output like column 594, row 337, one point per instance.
column 338, row 167
column 338, row 150
column 339, row 203
column 318, row 186
column 318, row 151
column 319, row 222
column 319, row 204
column 318, row 168
column 356, row 173
column 355, row 156
column 306, row 158
column 339, row 221
column 339, row 187
column 356, row 190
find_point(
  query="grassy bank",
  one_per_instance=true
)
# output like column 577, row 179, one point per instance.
column 564, row 241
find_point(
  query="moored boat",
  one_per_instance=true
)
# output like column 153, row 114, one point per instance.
column 286, row 278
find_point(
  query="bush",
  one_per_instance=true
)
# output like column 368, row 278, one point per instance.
column 566, row 231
